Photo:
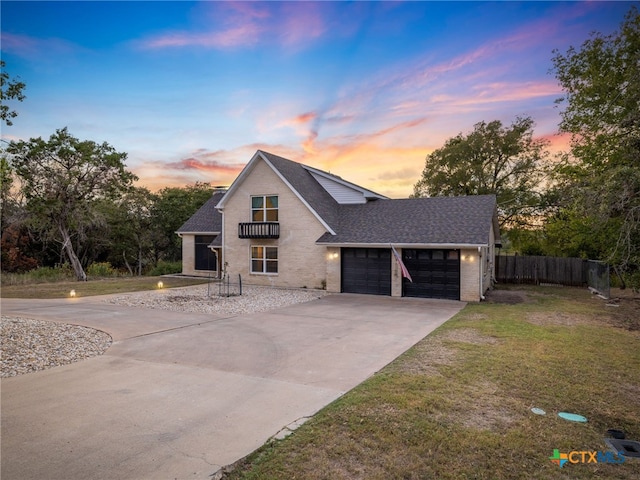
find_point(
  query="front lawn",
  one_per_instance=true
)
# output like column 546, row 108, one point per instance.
column 458, row 404
column 103, row 286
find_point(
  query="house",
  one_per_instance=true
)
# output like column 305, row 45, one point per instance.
column 290, row 225
column 202, row 239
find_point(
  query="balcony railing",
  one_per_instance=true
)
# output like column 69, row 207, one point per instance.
column 259, row 230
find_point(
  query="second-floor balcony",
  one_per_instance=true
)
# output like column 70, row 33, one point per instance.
column 259, row 230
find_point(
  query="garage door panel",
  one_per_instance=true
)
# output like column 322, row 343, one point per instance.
column 435, row 273
column 366, row 270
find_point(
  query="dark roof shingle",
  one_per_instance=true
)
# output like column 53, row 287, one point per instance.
column 436, row 220
column 303, row 182
column 206, row 219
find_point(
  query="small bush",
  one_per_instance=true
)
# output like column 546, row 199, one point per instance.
column 101, row 269
column 165, row 268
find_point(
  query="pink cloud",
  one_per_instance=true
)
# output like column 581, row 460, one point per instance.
column 35, row 48
column 238, row 36
column 244, row 24
column 303, row 118
column 302, row 22
column 203, row 160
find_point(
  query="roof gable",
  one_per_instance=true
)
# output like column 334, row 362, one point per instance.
column 299, row 180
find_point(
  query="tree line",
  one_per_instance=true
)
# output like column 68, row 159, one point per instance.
column 67, row 200
column 71, row 201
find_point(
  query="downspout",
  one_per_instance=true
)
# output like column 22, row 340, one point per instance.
column 223, row 269
column 480, row 276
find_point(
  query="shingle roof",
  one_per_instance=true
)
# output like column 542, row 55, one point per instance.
column 435, row 220
column 304, row 183
column 418, row 221
column 206, row 219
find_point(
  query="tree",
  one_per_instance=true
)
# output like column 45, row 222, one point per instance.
column 505, row 161
column 130, row 229
column 172, row 207
column 61, row 181
column 10, row 89
column 601, row 178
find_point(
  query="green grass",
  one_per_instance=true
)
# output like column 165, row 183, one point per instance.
column 94, row 287
column 457, row 405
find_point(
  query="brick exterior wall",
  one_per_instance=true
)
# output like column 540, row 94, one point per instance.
column 469, row 275
column 301, row 263
column 474, row 266
column 396, row 275
column 334, row 271
column 188, row 254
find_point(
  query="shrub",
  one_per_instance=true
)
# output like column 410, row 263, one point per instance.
column 165, row 268
column 101, row 269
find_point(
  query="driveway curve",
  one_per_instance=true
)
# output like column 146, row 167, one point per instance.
column 179, row 395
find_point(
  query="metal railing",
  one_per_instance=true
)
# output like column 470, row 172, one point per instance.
column 259, row 230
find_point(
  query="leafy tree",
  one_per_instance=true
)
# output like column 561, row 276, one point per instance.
column 10, row 89
column 7, row 204
column 174, row 206
column 601, row 179
column 130, row 229
column 493, row 159
column 61, row 181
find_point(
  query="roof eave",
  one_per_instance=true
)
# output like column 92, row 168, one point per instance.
column 453, row 246
column 199, row 232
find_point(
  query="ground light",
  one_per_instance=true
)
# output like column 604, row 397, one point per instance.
column 160, row 284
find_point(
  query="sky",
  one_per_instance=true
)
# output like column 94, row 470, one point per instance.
column 364, row 90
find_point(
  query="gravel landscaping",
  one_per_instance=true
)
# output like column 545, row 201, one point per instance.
column 30, row 345
column 200, row 299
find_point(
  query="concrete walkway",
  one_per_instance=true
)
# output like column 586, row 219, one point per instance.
column 181, row 395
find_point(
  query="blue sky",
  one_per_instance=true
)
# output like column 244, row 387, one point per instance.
column 365, row 90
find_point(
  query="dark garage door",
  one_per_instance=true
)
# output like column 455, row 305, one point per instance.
column 435, row 274
column 366, row 270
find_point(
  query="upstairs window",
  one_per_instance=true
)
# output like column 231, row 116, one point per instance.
column 264, row 208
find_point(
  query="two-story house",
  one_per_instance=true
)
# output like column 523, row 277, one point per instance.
column 286, row 224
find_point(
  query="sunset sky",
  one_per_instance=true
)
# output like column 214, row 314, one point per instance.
column 365, row 90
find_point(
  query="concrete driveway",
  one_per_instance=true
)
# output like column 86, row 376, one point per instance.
column 180, row 395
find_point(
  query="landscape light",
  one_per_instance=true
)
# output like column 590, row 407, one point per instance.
column 72, row 293
column 160, row 284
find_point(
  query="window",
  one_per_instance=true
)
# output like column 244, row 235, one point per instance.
column 264, row 259
column 264, row 208
column 205, row 259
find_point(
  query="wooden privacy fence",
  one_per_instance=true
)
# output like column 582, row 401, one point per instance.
column 536, row 270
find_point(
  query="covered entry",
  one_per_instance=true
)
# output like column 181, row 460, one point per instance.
column 366, row 270
column 205, row 258
column 435, row 273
